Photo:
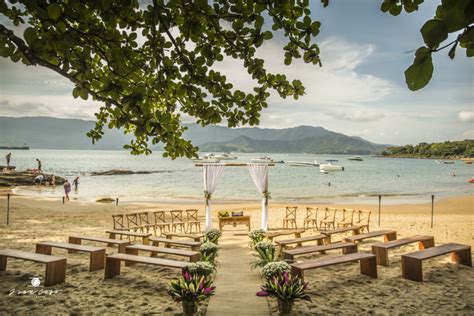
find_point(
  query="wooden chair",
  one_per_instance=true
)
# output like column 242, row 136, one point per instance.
column 347, row 218
column 160, row 222
column 192, row 221
column 311, row 217
column 363, row 220
column 145, row 223
column 290, row 217
column 177, row 220
column 133, row 222
column 118, row 222
column 329, row 218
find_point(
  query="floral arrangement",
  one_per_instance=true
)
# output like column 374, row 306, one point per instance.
column 265, row 254
column 208, row 252
column 285, row 287
column 223, row 213
column 212, row 235
column 275, row 268
column 191, row 288
column 256, row 236
column 202, row 268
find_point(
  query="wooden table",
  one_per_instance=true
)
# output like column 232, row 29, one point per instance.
column 234, row 220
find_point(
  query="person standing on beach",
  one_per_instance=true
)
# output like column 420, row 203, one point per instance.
column 67, row 189
column 76, row 183
column 9, row 155
column 39, row 164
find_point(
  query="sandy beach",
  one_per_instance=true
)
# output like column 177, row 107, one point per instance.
column 447, row 288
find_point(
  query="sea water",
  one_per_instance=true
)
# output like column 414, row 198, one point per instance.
column 181, row 181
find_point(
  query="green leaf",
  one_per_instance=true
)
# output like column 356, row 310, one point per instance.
column 434, row 32
column 395, row 10
column 29, row 35
column 452, row 51
column 54, row 11
column 419, row 74
column 75, row 92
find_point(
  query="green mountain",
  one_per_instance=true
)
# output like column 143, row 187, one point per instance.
column 54, row 133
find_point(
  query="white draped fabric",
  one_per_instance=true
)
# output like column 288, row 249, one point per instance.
column 259, row 173
column 212, row 175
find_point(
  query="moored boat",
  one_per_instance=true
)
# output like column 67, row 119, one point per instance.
column 448, row 162
column 303, row 163
column 266, row 159
column 224, row 156
column 329, row 166
column 206, row 159
column 355, row 158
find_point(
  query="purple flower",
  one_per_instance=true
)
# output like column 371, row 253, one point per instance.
column 208, row 290
column 285, row 276
column 305, row 285
column 201, row 285
column 186, row 276
column 262, row 293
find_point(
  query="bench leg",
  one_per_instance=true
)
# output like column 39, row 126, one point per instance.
column 3, row 263
column 349, row 249
column 195, row 258
column 97, row 260
column 288, row 257
column 43, row 249
column 412, row 269
column 298, row 272
column 122, row 247
column 381, row 254
column 368, row 267
column 146, row 241
column 390, row 237
column 131, row 252
column 55, row 272
column 73, row 240
column 327, row 240
column 112, row 268
column 112, row 236
column 426, row 244
column 462, row 257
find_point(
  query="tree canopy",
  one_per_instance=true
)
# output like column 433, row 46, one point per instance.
column 447, row 149
column 150, row 62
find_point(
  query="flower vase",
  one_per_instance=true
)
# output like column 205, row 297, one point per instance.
column 189, row 308
column 284, row 307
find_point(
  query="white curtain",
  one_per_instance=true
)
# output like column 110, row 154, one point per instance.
column 212, row 175
column 259, row 173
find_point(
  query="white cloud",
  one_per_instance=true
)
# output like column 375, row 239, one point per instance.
column 466, row 116
column 357, row 116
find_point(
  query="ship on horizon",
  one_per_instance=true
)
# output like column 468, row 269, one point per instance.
column 24, row 147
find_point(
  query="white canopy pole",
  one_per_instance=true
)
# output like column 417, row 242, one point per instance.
column 212, row 174
column 259, row 174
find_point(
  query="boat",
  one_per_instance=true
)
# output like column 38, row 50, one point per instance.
column 266, row 159
column 468, row 162
column 323, row 171
column 15, row 147
column 329, row 166
column 471, row 181
column 224, row 156
column 355, row 158
column 448, row 162
column 303, row 163
column 206, row 159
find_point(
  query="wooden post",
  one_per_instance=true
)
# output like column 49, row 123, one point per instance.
column 63, row 199
column 432, row 209
column 8, row 209
column 116, row 205
column 380, row 201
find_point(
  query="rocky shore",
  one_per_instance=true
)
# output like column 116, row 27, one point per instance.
column 26, row 178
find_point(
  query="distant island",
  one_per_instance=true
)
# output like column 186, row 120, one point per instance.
column 444, row 150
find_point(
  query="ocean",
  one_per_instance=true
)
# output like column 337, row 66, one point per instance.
column 410, row 180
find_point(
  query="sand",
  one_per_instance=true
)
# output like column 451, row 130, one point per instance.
column 447, row 288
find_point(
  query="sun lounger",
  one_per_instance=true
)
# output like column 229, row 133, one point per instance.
column 346, row 247
column 55, row 266
column 368, row 264
column 78, row 240
column 412, row 262
column 97, row 255
column 112, row 263
column 381, row 249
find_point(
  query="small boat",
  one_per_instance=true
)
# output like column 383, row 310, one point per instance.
column 471, row 181
column 206, row 159
column 468, row 162
column 302, row 163
column 329, row 166
column 355, row 158
column 266, row 159
column 448, row 162
column 224, row 156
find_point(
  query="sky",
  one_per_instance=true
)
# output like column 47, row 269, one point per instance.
column 359, row 91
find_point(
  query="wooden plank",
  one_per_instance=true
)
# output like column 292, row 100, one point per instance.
column 31, row 256
column 312, row 249
column 332, row 261
column 273, row 234
column 354, row 228
column 438, row 251
column 388, row 236
column 128, row 233
column 300, row 240
column 403, row 241
column 195, row 237
column 176, row 242
column 78, row 240
column 192, row 255
column 65, row 245
column 149, row 260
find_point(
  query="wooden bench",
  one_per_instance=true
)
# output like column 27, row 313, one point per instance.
column 272, row 234
column 112, row 263
column 299, row 241
column 368, row 264
column 412, row 262
column 145, row 236
column 355, row 229
column 55, row 266
column 195, row 237
column 388, row 235
column 193, row 256
column 194, row 245
column 78, row 240
column 381, row 249
column 347, row 248
column 97, row 255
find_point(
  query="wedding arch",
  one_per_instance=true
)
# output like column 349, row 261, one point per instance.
column 212, row 173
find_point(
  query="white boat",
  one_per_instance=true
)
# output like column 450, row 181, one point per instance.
column 355, row 158
column 206, row 159
column 224, row 156
column 329, row 166
column 448, row 162
column 323, row 171
column 266, row 159
column 302, row 163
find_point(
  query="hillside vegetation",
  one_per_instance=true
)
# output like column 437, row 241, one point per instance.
column 454, row 149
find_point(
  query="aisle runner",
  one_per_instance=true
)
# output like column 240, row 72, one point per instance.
column 236, row 284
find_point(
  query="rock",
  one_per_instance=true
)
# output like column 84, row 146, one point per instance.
column 118, row 172
column 26, row 178
column 105, row 200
